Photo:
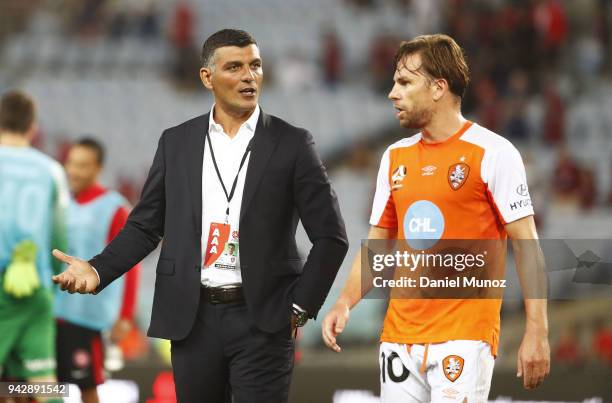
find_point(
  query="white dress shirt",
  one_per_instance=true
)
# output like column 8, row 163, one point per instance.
column 228, row 153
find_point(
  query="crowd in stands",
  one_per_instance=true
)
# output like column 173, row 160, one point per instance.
column 570, row 350
column 532, row 62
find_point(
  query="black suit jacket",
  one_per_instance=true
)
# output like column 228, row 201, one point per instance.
column 285, row 181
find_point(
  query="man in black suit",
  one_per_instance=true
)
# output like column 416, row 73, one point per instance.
column 233, row 176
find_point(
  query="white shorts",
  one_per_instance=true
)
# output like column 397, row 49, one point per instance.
column 453, row 371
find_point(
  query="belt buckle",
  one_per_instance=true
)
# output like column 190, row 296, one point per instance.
column 214, row 297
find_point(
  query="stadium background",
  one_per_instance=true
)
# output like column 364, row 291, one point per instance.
column 541, row 76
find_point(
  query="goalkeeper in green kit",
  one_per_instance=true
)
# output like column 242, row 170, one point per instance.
column 33, row 199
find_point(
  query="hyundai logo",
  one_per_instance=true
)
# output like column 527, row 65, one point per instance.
column 522, row 190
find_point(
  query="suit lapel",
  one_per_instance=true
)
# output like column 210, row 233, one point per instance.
column 195, row 155
column 264, row 143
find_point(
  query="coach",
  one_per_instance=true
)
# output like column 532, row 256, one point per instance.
column 234, row 179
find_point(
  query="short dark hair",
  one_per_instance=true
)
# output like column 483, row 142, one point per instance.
column 441, row 57
column 225, row 37
column 17, row 112
column 93, row 145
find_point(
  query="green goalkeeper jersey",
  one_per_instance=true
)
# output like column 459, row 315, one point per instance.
column 33, row 201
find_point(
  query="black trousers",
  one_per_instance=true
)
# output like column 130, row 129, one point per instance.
column 226, row 358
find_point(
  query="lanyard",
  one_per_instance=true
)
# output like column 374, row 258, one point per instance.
column 214, row 160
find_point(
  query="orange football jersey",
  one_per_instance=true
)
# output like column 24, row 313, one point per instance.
column 467, row 187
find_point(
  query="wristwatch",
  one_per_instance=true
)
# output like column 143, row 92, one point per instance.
column 301, row 317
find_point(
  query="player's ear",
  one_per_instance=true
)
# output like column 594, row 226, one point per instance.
column 439, row 87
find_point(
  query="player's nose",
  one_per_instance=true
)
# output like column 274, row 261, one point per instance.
column 393, row 96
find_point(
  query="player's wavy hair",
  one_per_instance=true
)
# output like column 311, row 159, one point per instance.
column 441, row 57
column 17, row 112
column 224, row 37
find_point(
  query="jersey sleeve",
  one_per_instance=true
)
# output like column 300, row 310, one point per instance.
column 61, row 198
column 383, row 208
column 507, row 185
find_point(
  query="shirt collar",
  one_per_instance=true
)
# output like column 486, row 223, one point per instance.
column 250, row 124
column 92, row 192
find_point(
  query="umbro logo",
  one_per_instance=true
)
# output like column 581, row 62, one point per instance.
column 428, row 170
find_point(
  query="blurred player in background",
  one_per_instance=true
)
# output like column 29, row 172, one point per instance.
column 33, row 201
column 95, row 217
column 469, row 183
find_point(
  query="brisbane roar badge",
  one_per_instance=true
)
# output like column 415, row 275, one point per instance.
column 453, row 367
column 457, row 175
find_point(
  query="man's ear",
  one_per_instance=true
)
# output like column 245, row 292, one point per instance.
column 206, row 77
column 439, row 87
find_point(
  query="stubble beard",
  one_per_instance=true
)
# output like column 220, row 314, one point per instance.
column 417, row 119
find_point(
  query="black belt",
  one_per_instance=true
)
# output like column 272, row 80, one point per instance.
column 222, row 295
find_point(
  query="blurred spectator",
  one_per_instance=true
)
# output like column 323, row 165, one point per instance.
column 552, row 27
column 554, row 114
column 602, row 23
column 118, row 24
column 89, row 17
column 148, row 20
column 587, row 191
column 489, row 109
column 139, row 18
column 516, row 126
column 462, row 27
column 182, row 26
column 589, row 55
column 186, row 63
column 14, row 16
column 566, row 177
column 567, row 350
column 332, row 59
column 602, row 342
column 522, row 33
column 518, row 85
column 528, row 58
column 382, row 63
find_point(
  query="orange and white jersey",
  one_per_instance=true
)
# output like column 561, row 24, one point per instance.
column 467, row 187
